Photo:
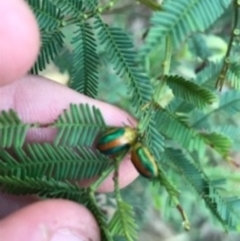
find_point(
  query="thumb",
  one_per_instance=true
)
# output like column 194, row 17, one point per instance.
column 50, row 220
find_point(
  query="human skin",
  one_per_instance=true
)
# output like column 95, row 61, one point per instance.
column 37, row 99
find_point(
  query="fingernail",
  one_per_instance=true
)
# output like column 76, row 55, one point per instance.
column 67, row 235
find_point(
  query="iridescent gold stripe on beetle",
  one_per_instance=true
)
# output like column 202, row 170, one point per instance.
column 116, row 140
column 143, row 161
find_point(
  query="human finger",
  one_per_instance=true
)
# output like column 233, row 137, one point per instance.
column 19, row 40
column 50, row 220
column 37, row 99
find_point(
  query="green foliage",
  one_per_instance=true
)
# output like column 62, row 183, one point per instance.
column 44, row 187
column 79, row 125
column 48, row 15
column 122, row 222
column 120, row 51
column 50, row 21
column 229, row 103
column 207, row 77
column 228, row 106
column 233, row 74
column 179, row 19
column 170, row 187
column 232, row 132
column 174, row 129
column 93, row 207
column 182, row 119
column 219, row 142
column 70, row 7
column 50, row 188
column 61, row 163
column 52, row 43
column 64, row 61
column 223, row 209
column 85, row 61
column 199, row 46
column 190, row 92
column 155, row 139
column 12, row 130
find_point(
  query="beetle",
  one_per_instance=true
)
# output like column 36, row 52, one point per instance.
column 116, row 140
column 144, row 161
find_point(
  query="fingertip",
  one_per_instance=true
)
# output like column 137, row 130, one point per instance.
column 19, row 42
column 50, row 220
column 37, row 99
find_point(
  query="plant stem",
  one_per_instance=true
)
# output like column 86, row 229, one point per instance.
column 106, row 173
column 168, row 53
column 235, row 32
column 100, row 180
column 166, row 68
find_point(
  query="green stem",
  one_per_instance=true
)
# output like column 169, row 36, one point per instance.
column 235, row 32
column 94, row 208
column 116, row 183
column 106, row 173
column 166, row 68
column 168, row 55
column 173, row 194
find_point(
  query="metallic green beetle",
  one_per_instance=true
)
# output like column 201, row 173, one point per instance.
column 143, row 161
column 116, row 140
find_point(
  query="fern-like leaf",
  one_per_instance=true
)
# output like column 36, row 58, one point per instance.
column 179, row 106
column 123, row 223
column 155, row 139
column 190, row 92
column 79, row 125
column 58, row 162
column 52, row 44
column 43, row 187
column 233, row 74
column 50, row 22
column 12, row 131
column 170, row 126
column 208, row 76
column 219, row 142
column 229, row 105
column 232, row 132
column 121, row 53
column 199, row 120
column 64, row 61
column 85, row 61
column 200, row 48
column 48, row 15
column 217, row 204
column 181, row 18
column 164, row 181
column 74, row 8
